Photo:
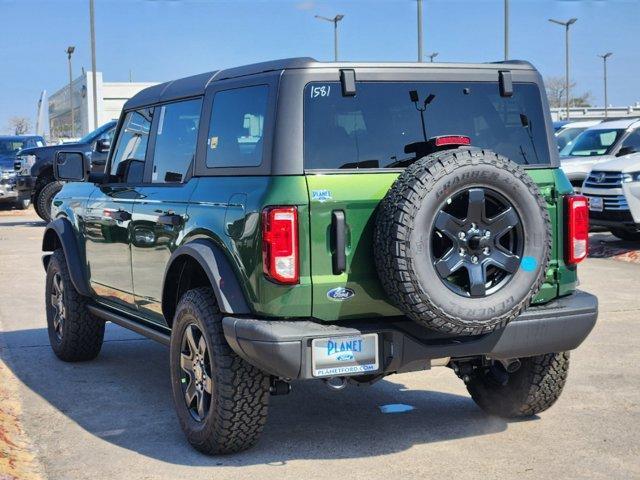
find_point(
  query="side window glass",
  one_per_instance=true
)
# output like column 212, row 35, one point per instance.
column 127, row 165
column 175, row 140
column 237, row 127
column 633, row 141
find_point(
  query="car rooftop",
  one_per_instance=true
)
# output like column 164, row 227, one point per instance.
column 196, row 84
column 620, row 123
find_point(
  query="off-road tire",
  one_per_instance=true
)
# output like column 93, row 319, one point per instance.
column 82, row 332
column 626, row 235
column 44, row 199
column 532, row 389
column 240, row 392
column 419, row 192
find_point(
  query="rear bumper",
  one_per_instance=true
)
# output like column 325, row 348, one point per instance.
column 283, row 348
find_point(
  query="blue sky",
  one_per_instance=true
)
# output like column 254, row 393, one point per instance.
column 161, row 40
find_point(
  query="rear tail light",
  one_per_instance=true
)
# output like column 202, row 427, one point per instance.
column 280, row 244
column 577, row 208
column 446, row 140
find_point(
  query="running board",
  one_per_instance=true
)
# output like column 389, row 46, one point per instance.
column 144, row 330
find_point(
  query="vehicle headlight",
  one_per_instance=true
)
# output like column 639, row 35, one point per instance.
column 631, row 177
column 24, row 162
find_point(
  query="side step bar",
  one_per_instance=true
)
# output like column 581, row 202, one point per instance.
column 144, row 330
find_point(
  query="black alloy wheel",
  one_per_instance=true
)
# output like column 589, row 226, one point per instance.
column 195, row 365
column 57, row 302
column 477, row 242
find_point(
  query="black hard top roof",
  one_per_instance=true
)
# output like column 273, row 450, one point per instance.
column 196, row 84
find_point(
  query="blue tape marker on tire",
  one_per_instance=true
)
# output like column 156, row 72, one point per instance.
column 528, row 264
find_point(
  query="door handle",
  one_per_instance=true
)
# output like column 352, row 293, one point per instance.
column 170, row 219
column 117, row 215
column 339, row 240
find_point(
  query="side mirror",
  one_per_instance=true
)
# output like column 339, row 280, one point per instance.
column 103, row 146
column 625, row 151
column 71, row 166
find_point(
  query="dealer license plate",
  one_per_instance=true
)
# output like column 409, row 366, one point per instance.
column 340, row 356
column 596, row 204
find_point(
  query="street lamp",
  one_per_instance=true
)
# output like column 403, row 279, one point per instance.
column 432, row 56
column 506, row 29
column 335, row 21
column 606, row 100
column 419, row 30
column 566, row 25
column 70, row 50
column 94, row 82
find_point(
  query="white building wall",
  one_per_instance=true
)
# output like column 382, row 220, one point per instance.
column 111, row 98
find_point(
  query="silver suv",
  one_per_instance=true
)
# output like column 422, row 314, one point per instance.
column 597, row 144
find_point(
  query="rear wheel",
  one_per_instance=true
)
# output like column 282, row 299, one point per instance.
column 74, row 333
column 531, row 389
column 627, row 235
column 220, row 399
column 44, row 199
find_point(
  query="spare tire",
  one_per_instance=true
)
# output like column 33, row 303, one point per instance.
column 462, row 241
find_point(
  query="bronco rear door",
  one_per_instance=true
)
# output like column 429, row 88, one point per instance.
column 354, row 149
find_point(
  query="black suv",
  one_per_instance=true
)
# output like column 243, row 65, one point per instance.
column 34, row 165
column 297, row 220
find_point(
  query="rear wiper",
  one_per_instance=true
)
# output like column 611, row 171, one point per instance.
column 526, row 123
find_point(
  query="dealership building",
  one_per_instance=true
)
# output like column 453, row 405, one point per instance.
column 111, row 98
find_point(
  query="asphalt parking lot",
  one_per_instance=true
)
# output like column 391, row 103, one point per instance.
column 113, row 417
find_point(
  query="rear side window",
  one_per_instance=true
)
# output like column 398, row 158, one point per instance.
column 237, row 127
column 176, row 140
column 372, row 128
column 127, row 165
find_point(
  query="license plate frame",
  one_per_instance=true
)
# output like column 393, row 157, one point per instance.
column 346, row 356
column 596, row 204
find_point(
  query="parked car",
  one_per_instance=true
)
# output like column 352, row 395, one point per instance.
column 10, row 145
column 568, row 132
column 597, row 144
column 35, row 166
column 558, row 124
column 296, row 220
column 613, row 189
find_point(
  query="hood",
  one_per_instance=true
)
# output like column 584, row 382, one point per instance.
column 576, row 161
column 624, row 164
column 52, row 149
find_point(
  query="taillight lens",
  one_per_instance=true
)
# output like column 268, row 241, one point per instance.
column 577, row 208
column 280, row 244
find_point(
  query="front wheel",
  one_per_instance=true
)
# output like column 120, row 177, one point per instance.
column 220, row 399
column 23, row 203
column 531, row 389
column 44, row 199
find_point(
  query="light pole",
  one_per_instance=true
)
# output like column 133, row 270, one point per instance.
column 506, row 29
column 335, row 21
column 420, row 30
column 70, row 50
column 93, row 63
column 566, row 25
column 432, row 56
column 606, row 100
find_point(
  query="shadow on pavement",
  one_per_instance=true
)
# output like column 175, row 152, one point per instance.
column 605, row 245
column 24, row 223
column 123, row 397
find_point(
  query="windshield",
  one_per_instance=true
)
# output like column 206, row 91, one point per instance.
column 566, row 136
column 373, row 128
column 105, row 130
column 10, row 147
column 592, row 142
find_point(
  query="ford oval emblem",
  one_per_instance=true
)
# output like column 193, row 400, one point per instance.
column 340, row 294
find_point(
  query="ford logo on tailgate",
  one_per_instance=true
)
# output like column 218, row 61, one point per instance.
column 340, row 294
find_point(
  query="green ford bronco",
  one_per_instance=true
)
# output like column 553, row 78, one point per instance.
column 296, row 220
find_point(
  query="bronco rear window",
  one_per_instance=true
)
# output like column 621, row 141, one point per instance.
column 372, row 128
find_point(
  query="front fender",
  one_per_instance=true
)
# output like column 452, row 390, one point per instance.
column 59, row 233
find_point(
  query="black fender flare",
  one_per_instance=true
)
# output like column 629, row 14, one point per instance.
column 60, row 232
column 219, row 271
